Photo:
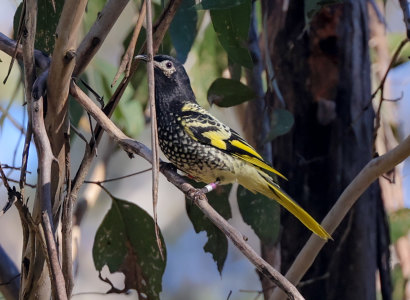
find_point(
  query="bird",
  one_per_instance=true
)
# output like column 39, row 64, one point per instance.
column 207, row 150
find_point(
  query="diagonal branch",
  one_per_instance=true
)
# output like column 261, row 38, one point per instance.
column 126, row 61
column 132, row 146
column 375, row 168
column 97, row 34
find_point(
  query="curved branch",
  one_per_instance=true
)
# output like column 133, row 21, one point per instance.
column 236, row 237
column 373, row 170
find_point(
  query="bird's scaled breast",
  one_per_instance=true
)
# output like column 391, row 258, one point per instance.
column 203, row 162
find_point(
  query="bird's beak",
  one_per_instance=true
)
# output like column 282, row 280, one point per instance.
column 142, row 57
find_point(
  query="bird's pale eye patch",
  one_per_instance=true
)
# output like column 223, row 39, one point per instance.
column 166, row 66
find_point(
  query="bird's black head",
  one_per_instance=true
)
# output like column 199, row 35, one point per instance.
column 171, row 79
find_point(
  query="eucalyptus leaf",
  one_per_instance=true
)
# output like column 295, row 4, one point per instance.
column 217, row 243
column 47, row 21
column 125, row 242
column 261, row 213
column 225, row 92
column 183, row 29
column 232, row 27
column 282, row 122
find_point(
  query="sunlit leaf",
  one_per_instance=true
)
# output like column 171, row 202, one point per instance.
column 232, row 28
column 217, row 243
column 183, row 29
column 125, row 242
column 261, row 213
column 228, row 92
column 281, row 123
column 218, row 4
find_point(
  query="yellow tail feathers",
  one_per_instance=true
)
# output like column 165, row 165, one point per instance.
column 297, row 211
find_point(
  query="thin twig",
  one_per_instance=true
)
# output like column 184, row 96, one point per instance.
column 78, row 133
column 129, row 54
column 8, row 46
column 18, row 181
column 12, row 120
column 117, row 178
column 381, row 89
column 154, row 129
column 392, row 62
column 19, row 35
column 6, row 166
column 66, row 225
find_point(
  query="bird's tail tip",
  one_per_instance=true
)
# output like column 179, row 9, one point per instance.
column 299, row 212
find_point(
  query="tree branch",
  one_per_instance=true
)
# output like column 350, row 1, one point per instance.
column 58, row 82
column 97, row 34
column 45, row 159
column 126, row 61
column 154, row 129
column 132, row 146
column 375, row 168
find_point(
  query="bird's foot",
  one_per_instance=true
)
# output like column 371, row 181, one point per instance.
column 197, row 194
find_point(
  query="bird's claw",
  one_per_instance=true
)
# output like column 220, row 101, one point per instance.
column 196, row 194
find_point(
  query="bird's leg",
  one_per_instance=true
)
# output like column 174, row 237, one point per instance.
column 196, row 193
column 210, row 187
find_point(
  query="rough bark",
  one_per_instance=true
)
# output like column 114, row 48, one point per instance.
column 324, row 75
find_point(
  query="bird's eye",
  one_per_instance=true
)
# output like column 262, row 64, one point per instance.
column 168, row 64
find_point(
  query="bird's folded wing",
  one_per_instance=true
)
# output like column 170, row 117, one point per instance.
column 205, row 128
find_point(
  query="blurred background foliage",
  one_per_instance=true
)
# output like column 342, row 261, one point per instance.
column 210, row 37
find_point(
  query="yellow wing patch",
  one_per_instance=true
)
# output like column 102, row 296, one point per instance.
column 260, row 164
column 191, row 107
column 245, row 147
column 217, row 138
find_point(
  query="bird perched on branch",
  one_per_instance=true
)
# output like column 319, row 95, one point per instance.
column 205, row 148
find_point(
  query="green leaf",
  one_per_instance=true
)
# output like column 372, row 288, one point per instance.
column 217, row 243
column 281, row 123
column 228, row 92
column 211, row 60
column 47, row 21
column 399, row 223
column 261, row 213
column 232, row 27
column 218, row 4
column 183, row 29
column 125, row 242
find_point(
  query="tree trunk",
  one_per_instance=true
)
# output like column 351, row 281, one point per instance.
column 324, row 74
